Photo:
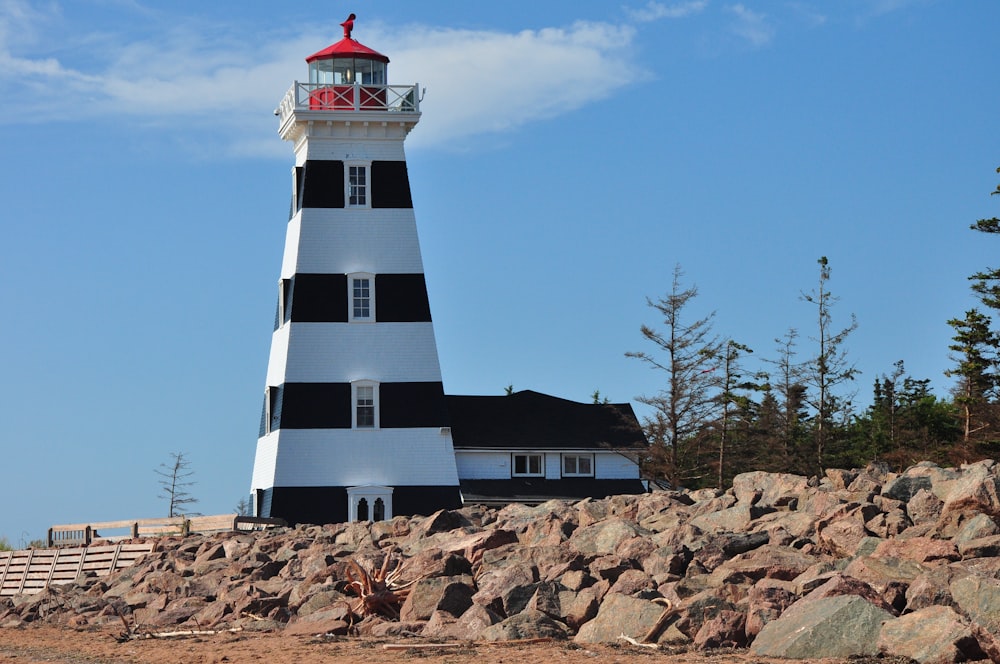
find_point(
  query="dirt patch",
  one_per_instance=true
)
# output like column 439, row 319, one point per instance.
column 35, row 644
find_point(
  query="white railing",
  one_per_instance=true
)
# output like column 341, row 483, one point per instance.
column 349, row 98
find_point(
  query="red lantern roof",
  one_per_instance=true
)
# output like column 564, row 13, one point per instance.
column 347, row 48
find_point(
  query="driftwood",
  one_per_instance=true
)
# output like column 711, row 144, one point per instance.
column 138, row 636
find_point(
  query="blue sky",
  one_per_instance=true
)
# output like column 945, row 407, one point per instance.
column 570, row 154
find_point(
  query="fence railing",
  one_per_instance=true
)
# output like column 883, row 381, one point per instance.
column 84, row 534
column 32, row 570
column 356, row 97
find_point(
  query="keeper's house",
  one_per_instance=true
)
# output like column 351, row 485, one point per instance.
column 355, row 423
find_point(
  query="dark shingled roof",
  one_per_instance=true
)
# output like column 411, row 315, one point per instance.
column 530, row 419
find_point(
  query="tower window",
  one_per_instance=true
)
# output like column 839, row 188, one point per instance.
column 357, row 186
column 361, row 297
column 284, row 301
column 365, row 405
column 527, row 465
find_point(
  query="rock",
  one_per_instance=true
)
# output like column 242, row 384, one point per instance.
column 528, row 624
column 933, row 635
column 726, row 630
column 978, row 598
column 978, row 526
column 328, row 621
column 451, row 594
column 620, row 614
column 764, row 604
column 603, row 537
column 905, row 487
column 917, row 549
column 763, row 489
column 841, row 626
column 982, row 547
column 924, row 507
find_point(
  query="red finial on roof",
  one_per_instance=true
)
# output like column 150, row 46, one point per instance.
column 348, row 25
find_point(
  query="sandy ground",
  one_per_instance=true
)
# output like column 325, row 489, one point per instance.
column 31, row 644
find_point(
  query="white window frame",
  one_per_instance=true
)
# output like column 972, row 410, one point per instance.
column 527, row 464
column 575, row 459
column 370, row 318
column 366, row 187
column 359, row 386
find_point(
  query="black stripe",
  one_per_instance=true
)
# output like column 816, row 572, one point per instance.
column 319, row 298
column 315, row 406
column 322, row 184
column 329, row 406
column 328, row 504
column 401, row 298
column 406, row 405
column 390, row 185
column 322, row 298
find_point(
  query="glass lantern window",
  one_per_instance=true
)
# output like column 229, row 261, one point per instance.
column 347, row 71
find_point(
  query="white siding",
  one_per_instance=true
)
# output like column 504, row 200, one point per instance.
column 335, row 241
column 345, row 352
column 348, row 457
column 495, row 465
column 483, row 465
column 339, row 141
column 264, row 462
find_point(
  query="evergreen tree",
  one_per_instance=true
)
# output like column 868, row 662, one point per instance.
column 828, row 369
column 789, row 415
column 685, row 352
column 987, row 283
column 975, row 351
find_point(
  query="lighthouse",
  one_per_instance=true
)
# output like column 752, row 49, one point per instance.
column 354, row 423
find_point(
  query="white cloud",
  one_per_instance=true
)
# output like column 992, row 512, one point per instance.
column 654, row 11
column 478, row 81
column 751, row 26
column 490, row 81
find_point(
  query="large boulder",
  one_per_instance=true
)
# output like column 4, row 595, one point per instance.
column 842, row 626
column 933, row 635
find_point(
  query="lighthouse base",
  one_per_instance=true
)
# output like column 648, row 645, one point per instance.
column 330, row 504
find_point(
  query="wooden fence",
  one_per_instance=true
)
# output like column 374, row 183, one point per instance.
column 32, row 570
column 83, row 534
column 96, row 551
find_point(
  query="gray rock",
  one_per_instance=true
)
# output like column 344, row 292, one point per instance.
column 528, row 624
column 842, row 626
column 620, row 614
column 978, row 598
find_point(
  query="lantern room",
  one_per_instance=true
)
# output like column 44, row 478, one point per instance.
column 347, row 75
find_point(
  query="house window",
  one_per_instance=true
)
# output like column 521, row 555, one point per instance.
column 362, row 509
column 365, row 405
column 578, row 465
column 357, row 186
column 361, row 296
column 527, row 465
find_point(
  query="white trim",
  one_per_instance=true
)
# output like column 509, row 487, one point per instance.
column 364, row 188
column 351, row 317
column 370, row 494
column 360, row 386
